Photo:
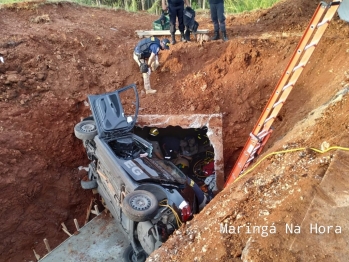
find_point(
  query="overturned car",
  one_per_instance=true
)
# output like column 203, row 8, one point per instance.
column 149, row 197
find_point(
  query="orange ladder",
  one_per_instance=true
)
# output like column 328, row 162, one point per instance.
column 262, row 130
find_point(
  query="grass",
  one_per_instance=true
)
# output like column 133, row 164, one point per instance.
column 9, row 1
column 231, row 6
column 239, row 6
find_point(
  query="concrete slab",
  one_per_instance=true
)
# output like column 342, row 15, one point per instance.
column 101, row 239
column 325, row 227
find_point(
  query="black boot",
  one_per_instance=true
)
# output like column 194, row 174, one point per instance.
column 173, row 39
column 224, row 36
column 183, row 38
column 187, row 35
column 216, row 35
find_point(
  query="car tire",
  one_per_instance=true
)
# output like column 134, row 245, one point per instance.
column 85, row 130
column 140, row 205
column 88, row 184
column 88, row 118
column 129, row 256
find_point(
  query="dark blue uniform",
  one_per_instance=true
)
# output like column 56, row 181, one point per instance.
column 176, row 9
column 218, row 18
column 147, row 46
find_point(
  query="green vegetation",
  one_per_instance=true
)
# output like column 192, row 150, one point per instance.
column 9, row 1
column 239, row 6
column 154, row 6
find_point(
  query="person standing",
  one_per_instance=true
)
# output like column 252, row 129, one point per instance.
column 146, row 56
column 218, row 19
column 176, row 10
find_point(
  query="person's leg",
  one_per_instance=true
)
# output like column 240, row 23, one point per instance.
column 180, row 14
column 173, row 16
column 214, row 18
column 138, row 61
column 187, row 34
column 146, row 78
column 147, row 87
column 221, row 19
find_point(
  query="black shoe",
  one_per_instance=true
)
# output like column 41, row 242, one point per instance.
column 187, row 36
column 173, row 40
column 216, row 36
column 183, row 38
column 224, row 36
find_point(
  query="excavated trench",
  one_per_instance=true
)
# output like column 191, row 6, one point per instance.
column 65, row 68
column 207, row 132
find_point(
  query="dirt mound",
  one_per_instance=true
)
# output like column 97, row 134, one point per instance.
column 56, row 54
column 282, row 209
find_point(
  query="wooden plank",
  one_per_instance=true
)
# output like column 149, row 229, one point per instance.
column 47, row 245
column 76, row 224
column 143, row 33
column 88, row 211
column 64, row 226
column 67, row 232
column 37, row 256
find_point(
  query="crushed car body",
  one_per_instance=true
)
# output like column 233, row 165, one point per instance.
column 149, row 197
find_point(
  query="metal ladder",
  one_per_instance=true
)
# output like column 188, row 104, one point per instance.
column 262, row 130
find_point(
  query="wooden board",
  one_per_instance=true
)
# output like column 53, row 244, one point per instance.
column 146, row 33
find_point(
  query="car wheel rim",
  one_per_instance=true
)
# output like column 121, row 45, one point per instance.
column 133, row 257
column 88, row 128
column 140, row 203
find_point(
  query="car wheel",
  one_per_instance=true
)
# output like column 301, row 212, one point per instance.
column 88, row 184
column 85, row 130
column 140, row 205
column 130, row 256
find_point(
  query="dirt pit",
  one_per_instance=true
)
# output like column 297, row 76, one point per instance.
column 55, row 54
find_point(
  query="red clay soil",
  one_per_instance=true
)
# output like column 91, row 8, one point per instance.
column 55, row 54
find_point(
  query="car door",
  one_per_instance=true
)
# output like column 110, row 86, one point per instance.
column 109, row 114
